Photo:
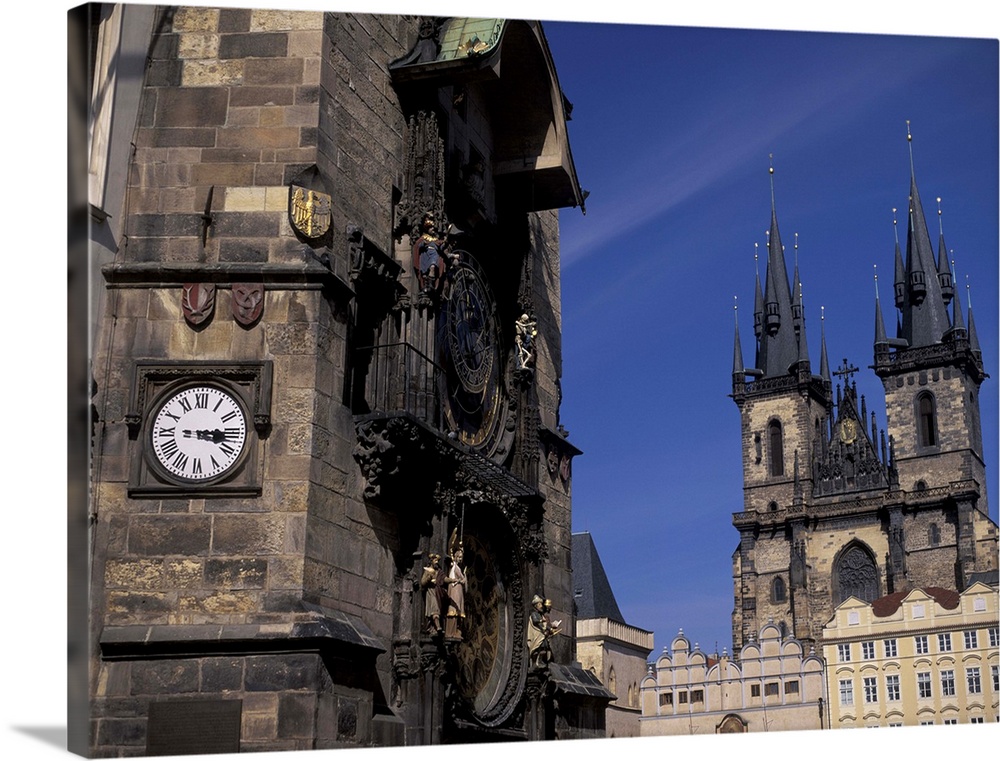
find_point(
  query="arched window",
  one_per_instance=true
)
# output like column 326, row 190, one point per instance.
column 933, row 535
column 855, row 574
column 776, row 448
column 778, row 590
column 926, row 421
column 612, row 681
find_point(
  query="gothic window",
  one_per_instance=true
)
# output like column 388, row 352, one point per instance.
column 855, row 575
column 933, row 535
column 926, row 422
column 778, row 593
column 776, row 448
column 732, row 724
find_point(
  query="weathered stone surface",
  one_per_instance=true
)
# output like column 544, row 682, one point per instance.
column 168, row 677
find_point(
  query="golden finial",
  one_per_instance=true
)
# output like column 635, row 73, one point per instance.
column 822, row 313
column 756, row 266
column 876, row 282
column 940, row 222
column 735, row 310
column 909, row 137
column 909, row 142
column 770, row 171
column 968, row 292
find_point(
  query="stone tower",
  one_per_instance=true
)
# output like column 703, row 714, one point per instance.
column 327, row 359
column 833, row 507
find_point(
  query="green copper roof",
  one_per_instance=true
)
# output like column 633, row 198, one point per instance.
column 462, row 37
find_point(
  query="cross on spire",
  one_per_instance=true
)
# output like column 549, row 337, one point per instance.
column 846, row 371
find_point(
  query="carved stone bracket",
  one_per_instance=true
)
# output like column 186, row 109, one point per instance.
column 558, row 453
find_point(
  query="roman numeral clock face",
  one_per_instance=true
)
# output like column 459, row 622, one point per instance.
column 198, row 434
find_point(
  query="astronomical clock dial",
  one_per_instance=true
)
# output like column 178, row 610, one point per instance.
column 198, row 434
column 474, row 397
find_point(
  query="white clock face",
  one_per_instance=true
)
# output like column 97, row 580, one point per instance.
column 199, row 433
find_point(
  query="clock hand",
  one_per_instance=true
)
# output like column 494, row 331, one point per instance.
column 214, row 436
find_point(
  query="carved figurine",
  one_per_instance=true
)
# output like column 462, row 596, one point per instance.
column 525, row 331
column 433, row 581
column 540, row 631
column 455, row 616
column 429, row 258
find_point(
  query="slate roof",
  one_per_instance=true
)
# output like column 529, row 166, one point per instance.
column 591, row 588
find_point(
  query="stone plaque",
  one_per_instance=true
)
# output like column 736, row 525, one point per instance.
column 184, row 727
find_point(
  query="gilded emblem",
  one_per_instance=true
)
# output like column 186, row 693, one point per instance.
column 197, row 302
column 309, row 211
column 848, row 430
column 248, row 302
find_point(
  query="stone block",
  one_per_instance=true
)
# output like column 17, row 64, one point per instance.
column 117, row 732
column 280, row 673
column 238, row 224
column 247, row 534
column 176, row 136
column 285, row 573
column 188, row 19
column 159, row 535
column 217, row 173
column 236, row 573
column 217, row 603
column 296, row 715
column 133, row 574
column 203, row 73
column 244, row 250
column 280, row 20
column 258, row 137
column 273, row 71
column 185, row 573
column 198, row 45
column 244, row 199
column 167, row 677
column 234, row 20
column 253, row 45
column 221, row 674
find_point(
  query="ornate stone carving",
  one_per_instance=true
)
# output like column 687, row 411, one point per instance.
column 197, row 302
column 424, row 176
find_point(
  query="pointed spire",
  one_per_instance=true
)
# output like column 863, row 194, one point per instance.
column 881, row 339
column 824, row 362
column 738, row 365
column 796, row 290
column 778, row 349
column 957, row 324
column 900, row 281
column 945, row 278
column 803, row 344
column 973, row 336
column 758, row 299
column 925, row 318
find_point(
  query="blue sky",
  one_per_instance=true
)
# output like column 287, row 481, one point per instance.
column 672, row 132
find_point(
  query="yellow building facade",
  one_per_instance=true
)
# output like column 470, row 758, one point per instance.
column 927, row 656
column 774, row 685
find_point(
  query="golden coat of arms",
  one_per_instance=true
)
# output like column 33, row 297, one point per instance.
column 309, row 211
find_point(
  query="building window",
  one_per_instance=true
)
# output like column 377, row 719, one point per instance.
column 844, row 652
column 792, row 685
column 918, row 610
column 868, row 651
column 926, row 424
column 855, row 574
column 682, row 697
column 933, row 535
column 995, row 671
column 846, row 692
column 994, row 637
column 776, row 448
column 972, row 682
column 927, row 722
column 870, row 684
column 892, row 687
column 778, row 593
column 666, row 698
column 755, row 690
column 772, row 689
column 890, row 648
column 979, row 605
column 947, row 683
column 697, row 696
column 920, row 644
column 976, row 720
column 924, row 689
column 950, row 721
column 971, row 639
column 944, row 643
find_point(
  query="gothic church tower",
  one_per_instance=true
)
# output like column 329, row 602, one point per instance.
column 833, row 507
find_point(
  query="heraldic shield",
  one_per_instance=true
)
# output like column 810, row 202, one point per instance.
column 248, row 303
column 197, row 302
column 309, row 211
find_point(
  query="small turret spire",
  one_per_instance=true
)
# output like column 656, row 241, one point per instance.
column 881, row 340
column 738, row 365
column 957, row 323
column 758, row 299
column 796, row 291
column 900, row 281
column 824, row 362
column 973, row 337
column 945, row 277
